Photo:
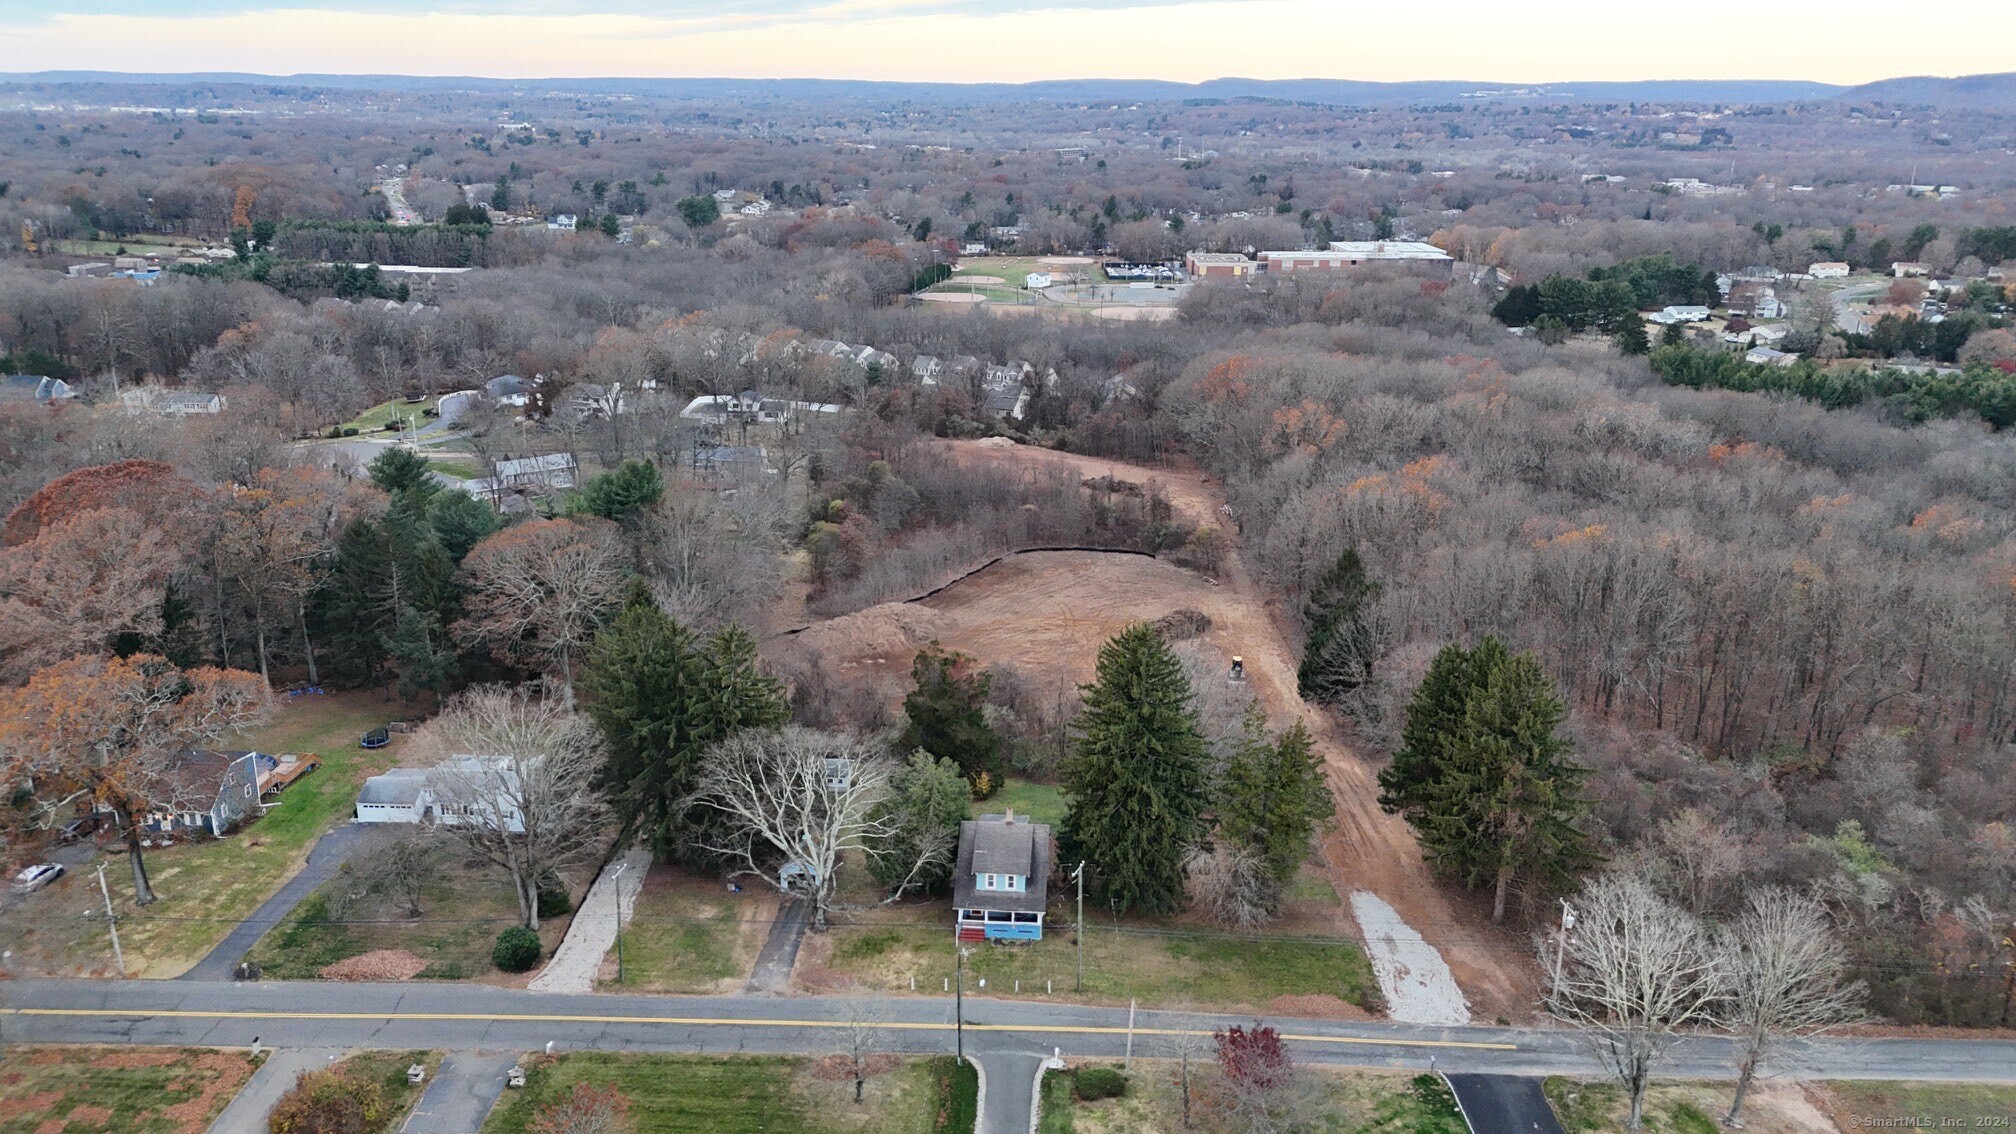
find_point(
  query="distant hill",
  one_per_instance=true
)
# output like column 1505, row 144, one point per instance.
column 1979, row 92
column 1337, row 92
column 1972, row 92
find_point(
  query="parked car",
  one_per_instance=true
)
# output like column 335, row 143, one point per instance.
column 37, row 876
column 77, row 828
column 376, row 738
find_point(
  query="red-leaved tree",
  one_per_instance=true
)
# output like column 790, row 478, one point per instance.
column 588, row 1108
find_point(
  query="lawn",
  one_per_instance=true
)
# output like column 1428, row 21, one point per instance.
column 458, row 468
column 1157, row 965
column 732, row 1094
column 206, row 886
column 1338, row 1102
column 375, row 419
column 1040, row 803
column 129, row 1090
column 465, row 908
column 690, row 935
column 1775, row 1106
column 1958, row 1106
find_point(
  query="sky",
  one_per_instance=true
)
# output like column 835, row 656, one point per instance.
column 1558, row 41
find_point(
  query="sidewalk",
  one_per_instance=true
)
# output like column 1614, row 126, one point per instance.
column 592, row 934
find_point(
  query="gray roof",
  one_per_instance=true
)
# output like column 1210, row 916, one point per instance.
column 995, row 844
column 399, row 787
column 34, row 387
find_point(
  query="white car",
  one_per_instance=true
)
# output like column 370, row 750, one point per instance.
column 37, row 876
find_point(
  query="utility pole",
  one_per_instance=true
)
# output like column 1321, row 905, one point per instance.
column 617, row 880
column 1561, row 945
column 1078, row 875
column 959, row 999
column 111, row 920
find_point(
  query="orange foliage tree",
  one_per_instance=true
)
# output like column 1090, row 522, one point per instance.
column 589, row 1108
column 82, row 582
column 274, row 542
column 152, row 488
column 537, row 591
column 112, row 731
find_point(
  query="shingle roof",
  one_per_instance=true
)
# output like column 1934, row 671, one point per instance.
column 993, row 844
column 399, row 787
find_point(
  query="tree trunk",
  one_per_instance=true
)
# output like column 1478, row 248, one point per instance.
column 143, row 892
column 265, row 676
column 307, row 645
column 1498, row 898
column 1745, row 1073
column 1637, row 1085
column 528, row 900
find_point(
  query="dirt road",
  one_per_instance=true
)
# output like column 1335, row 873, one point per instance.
column 1366, row 849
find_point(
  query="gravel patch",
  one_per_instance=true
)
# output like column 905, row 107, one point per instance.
column 610, row 901
column 1416, row 981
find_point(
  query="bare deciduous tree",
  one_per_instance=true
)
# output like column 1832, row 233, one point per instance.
column 1231, row 886
column 517, row 786
column 401, row 862
column 794, row 803
column 1634, row 973
column 1786, row 976
column 538, row 590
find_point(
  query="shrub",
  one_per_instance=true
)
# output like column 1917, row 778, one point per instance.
column 1091, row 1084
column 517, row 950
column 553, row 901
column 329, row 1102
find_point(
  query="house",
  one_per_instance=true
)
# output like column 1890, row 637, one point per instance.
column 1828, row 270
column 549, row 470
column 1001, row 878
column 34, row 388
column 731, row 462
column 1755, row 300
column 1035, row 280
column 507, row 390
column 1218, row 265
column 1765, row 356
column 1915, row 269
column 565, row 222
column 1678, row 313
column 209, row 792
column 418, row 795
column 925, row 368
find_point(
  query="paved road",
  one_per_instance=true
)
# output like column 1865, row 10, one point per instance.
column 330, row 852
column 1009, row 1105
column 1503, row 1104
column 462, row 1093
column 472, row 1017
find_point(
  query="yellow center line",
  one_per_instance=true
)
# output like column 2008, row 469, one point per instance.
column 696, row 1021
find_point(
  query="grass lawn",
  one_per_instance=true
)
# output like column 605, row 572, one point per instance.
column 374, row 420
column 1041, row 803
column 465, row 909
column 460, row 469
column 208, row 885
column 1961, row 1106
column 690, row 935
column 1774, row 1106
column 1340, row 1102
column 731, row 1094
column 1159, row 966
column 160, row 1090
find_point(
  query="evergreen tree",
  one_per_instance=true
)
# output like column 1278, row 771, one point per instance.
column 1342, row 646
column 928, row 798
column 615, row 495
column 611, row 227
column 660, row 698
column 460, row 522
column 947, row 711
column 1632, row 339
column 1500, row 794
column 1272, row 796
column 419, row 646
column 401, row 470
column 382, row 566
column 1135, row 781
column 1434, row 717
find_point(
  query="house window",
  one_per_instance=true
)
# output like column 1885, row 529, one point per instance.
column 987, row 882
column 1014, row 881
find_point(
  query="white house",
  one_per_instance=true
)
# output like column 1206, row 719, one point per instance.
column 417, row 795
column 1035, row 280
column 1767, row 356
column 565, row 222
column 1828, row 270
column 1679, row 313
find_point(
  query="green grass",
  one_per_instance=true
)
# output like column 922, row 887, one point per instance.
column 1962, row 1103
column 688, row 935
column 183, row 1089
column 730, row 1095
column 374, row 420
column 955, row 1096
column 1425, row 1107
column 1058, row 1112
column 1160, row 967
column 207, row 885
column 1040, row 803
column 388, row 1069
column 459, row 469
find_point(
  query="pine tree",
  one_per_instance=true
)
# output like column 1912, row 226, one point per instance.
column 418, row 645
column 1342, row 646
column 660, row 698
column 1434, row 717
column 947, row 712
column 928, row 798
column 401, row 470
column 1272, row 796
column 382, row 566
column 1135, row 780
column 615, row 495
column 460, row 522
column 1499, row 796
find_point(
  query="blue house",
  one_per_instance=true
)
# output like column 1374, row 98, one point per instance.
column 1002, row 878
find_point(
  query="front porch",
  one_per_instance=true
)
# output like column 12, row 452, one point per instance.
column 999, row 925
